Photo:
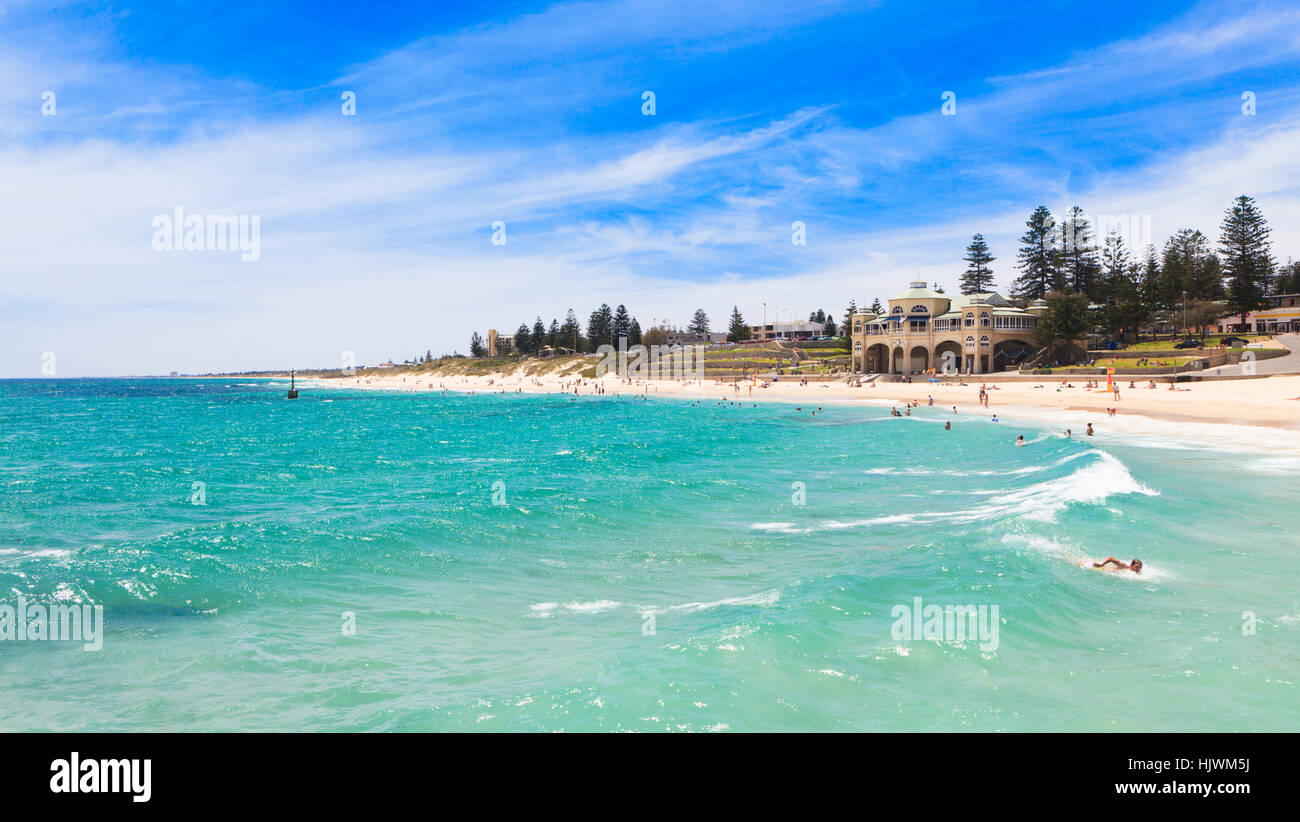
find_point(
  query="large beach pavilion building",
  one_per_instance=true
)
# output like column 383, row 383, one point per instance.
column 922, row 329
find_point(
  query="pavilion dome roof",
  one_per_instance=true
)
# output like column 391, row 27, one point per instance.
column 918, row 290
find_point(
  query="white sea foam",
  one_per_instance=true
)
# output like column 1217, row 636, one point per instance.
column 758, row 599
column 783, row 527
column 1028, row 469
column 547, row 609
column 1075, row 555
column 1092, row 484
column 762, row 599
column 592, row 607
column 544, row 609
column 1273, row 465
column 34, row 553
column 1148, row 432
column 1044, row 545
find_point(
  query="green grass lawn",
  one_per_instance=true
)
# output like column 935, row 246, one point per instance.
column 1211, row 341
column 1132, row 362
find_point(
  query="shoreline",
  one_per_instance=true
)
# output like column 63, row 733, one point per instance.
column 1266, row 403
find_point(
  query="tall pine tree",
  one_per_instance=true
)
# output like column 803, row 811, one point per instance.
column 847, row 322
column 523, row 339
column 1149, row 278
column 737, row 330
column 1078, row 256
column 1189, row 267
column 1038, row 257
column 1288, row 278
column 570, row 332
column 539, row 336
column 1118, row 287
column 978, row 278
column 1247, row 257
column 600, row 327
column 622, row 324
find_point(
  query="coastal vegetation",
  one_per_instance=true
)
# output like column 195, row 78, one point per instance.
column 1187, row 283
column 1098, row 286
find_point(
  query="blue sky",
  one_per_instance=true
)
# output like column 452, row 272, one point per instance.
column 376, row 228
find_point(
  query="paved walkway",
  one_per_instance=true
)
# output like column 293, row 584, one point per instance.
column 1290, row 364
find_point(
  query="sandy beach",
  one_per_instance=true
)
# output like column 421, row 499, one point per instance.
column 1266, row 401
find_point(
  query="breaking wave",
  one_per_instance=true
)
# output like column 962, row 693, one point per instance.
column 1092, row 484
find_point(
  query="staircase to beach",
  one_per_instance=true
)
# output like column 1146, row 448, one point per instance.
column 1033, row 361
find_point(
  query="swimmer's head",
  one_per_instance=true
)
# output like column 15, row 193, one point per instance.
column 1136, row 565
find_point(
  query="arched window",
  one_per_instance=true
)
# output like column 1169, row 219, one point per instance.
column 920, row 309
column 970, row 319
column 984, row 319
column 898, row 309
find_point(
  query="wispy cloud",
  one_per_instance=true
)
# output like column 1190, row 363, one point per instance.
column 376, row 230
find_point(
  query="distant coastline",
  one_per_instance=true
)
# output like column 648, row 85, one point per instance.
column 1272, row 401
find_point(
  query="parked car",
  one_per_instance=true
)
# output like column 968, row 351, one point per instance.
column 1234, row 342
column 1189, row 343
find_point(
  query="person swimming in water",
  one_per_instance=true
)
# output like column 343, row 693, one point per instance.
column 1020, row 440
column 1135, row 566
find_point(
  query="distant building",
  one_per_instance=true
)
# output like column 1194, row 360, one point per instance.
column 923, row 329
column 690, row 338
column 787, row 331
column 492, row 342
column 1281, row 317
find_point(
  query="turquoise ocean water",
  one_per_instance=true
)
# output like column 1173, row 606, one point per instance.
column 542, row 563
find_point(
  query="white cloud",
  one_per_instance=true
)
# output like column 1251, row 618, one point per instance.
column 381, row 246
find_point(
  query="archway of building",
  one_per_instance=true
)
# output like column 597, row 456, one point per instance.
column 898, row 363
column 877, row 359
column 1010, row 353
column 919, row 359
column 949, row 365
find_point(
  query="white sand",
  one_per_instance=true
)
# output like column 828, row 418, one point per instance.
column 1266, row 401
